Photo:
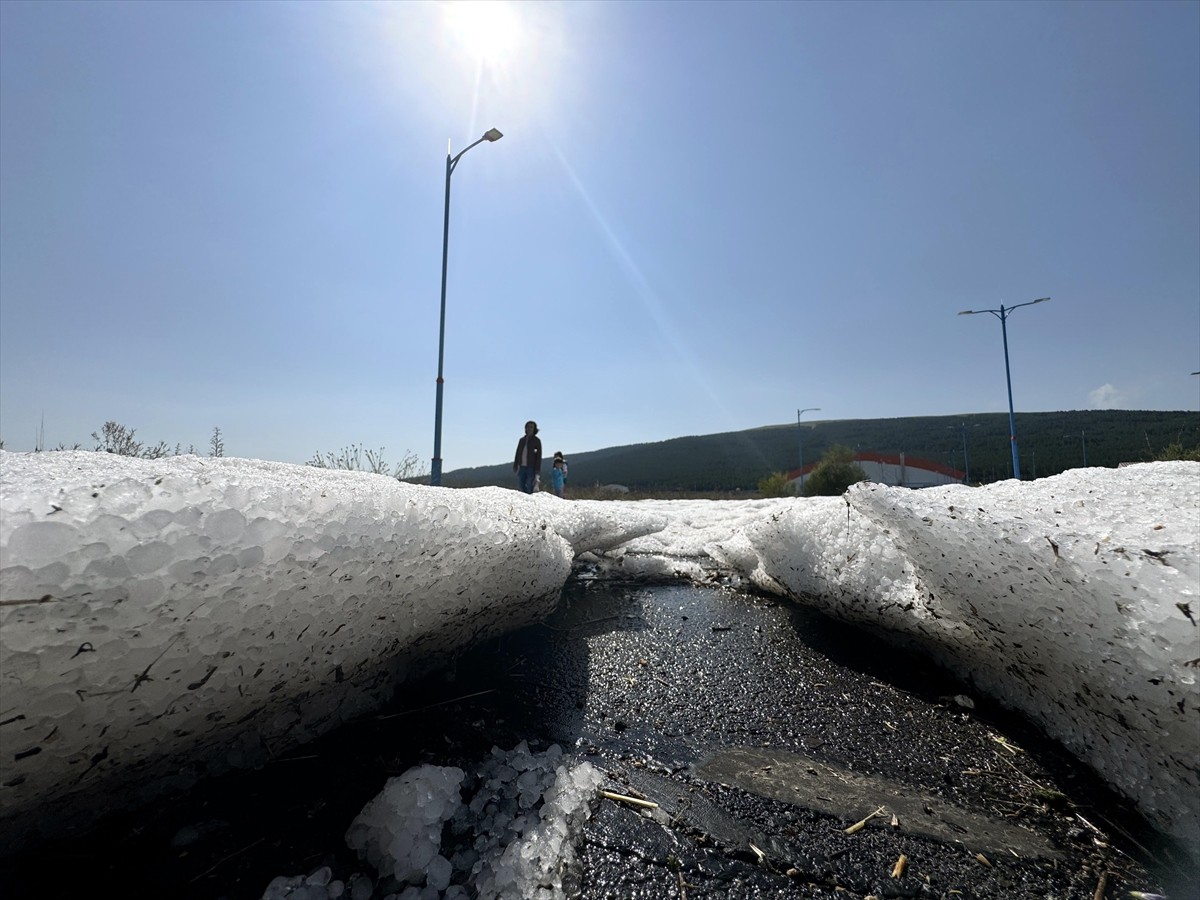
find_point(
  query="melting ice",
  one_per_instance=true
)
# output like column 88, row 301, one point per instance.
column 162, row 619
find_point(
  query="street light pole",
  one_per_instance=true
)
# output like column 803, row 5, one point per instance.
column 962, row 427
column 966, row 462
column 1083, row 442
column 1002, row 314
column 800, row 437
column 435, row 470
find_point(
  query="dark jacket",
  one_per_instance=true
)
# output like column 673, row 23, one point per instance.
column 535, row 452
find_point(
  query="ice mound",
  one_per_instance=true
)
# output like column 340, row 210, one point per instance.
column 320, row 884
column 692, row 542
column 164, row 618
column 400, row 831
column 505, row 832
column 1074, row 599
column 527, row 811
column 1076, row 602
column 597, row 525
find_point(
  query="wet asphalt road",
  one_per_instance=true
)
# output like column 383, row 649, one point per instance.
column 756, row 723
column 761, row 730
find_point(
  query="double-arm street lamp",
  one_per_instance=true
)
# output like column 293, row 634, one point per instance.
column 435, row 471
column 1002, row 314
column 800, row 437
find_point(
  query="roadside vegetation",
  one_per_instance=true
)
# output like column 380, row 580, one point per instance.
column 355, row 459
column 118, row 439
column 830, row 477
column 761, row 461
column 1177, row 451
column 836, row 471
column 114, row 437
column 1050, row 443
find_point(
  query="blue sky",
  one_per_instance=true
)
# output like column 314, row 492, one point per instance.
column 702, row 216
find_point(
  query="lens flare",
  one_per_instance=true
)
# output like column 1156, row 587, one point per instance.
column 489, row 30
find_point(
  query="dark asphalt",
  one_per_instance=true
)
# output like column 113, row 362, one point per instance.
column 762, row 731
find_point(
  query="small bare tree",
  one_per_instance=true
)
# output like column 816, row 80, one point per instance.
column 216, row 446
column 116, row 438
column 158, row 451
column 349, row 458
column 355, row 459
column 410, row 466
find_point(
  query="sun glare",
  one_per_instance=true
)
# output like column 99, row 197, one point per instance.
column 487, row 29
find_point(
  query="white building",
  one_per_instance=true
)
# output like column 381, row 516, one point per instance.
column 895, row 469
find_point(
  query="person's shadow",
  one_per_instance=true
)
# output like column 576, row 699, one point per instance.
column 530, row 684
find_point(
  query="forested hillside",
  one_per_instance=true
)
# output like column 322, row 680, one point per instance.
column 1049, row 444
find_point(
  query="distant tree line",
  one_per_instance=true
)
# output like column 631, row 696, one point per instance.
column 1049, row 443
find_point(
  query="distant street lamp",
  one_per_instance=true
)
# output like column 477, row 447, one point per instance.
column 435, row 471
column 1002, row 314
column 800, row 437
column 966, row 459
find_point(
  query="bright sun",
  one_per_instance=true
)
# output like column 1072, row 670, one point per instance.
column 487, row 29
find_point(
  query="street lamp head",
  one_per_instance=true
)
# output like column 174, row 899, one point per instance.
column 1041, row 299
column 970, row 312
column 493, row 134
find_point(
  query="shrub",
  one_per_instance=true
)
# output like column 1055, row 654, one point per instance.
column 775, row 485
column 351, row 459
column 116, row 438
column 836, row 471
column 1176, row 451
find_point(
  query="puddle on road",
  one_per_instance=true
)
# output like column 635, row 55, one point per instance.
column 803, row 781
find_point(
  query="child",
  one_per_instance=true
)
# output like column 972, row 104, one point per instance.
column 558, row 474
column 557, row 477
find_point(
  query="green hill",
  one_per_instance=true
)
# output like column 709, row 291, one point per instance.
column 1049, row 443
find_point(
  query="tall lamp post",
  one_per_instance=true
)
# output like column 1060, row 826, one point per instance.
column 435, row 470
column 966, row 461
column 1002, row 314
column 800, row 437
column 1083, row 442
